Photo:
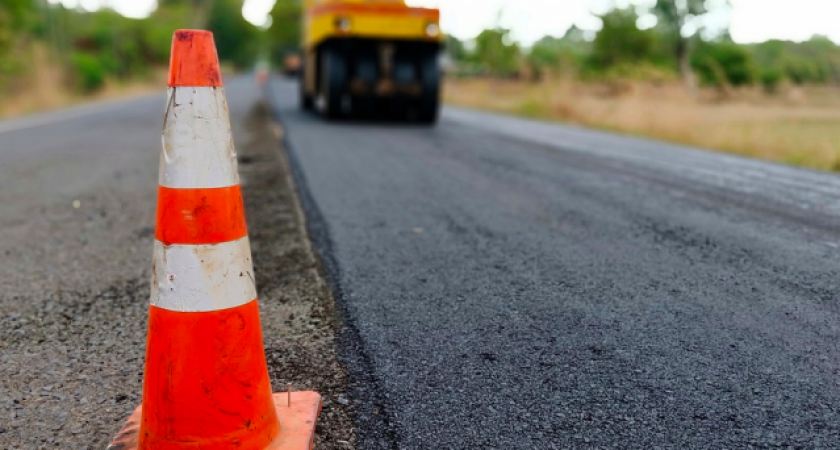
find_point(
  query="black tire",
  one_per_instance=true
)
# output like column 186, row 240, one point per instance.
column 366, row 71
column 333, row 82
column 429, row 107
column 306, row 101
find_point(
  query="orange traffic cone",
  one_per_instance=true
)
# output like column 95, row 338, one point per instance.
column 206, row 383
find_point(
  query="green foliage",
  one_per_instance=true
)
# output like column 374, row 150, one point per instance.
column 551, row 52
column 286, row 28
column 771, row 78
column 7, row 33
column 15, row 15
column 496, row 52
column 286, row 24
column 673, row 19
column 116, row 41
column 93, row 47
column 566, row 54
column 620, row 41
column 815, row 61
column 198, row 11
column 157, row 30
column 90, row 72
column 455, row 48
column 236, row 38
column 724, row 63
column 546, row 53
column 673, row 15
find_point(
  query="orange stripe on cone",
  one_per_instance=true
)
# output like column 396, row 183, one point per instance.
column 199, row 216
column 206, row 384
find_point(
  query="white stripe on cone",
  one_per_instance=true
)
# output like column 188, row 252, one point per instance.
column 198, row 149
column 200, row 278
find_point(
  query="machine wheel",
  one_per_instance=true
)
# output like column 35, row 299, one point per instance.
column 333, row 82
column 367, row 71
column 306, row 101
column 430, row 82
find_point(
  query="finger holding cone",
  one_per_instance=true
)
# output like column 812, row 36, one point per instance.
column 206, row 383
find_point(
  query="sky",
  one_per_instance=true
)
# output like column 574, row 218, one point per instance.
column 529, row 20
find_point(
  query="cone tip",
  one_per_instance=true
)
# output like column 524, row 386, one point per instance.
column 194, row 61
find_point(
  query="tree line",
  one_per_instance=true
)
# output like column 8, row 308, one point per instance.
column 682, row 45
column 93, row 47
column 90, row 48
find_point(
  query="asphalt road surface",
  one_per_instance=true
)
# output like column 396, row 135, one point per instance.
column 502, row 283
column 520, row 285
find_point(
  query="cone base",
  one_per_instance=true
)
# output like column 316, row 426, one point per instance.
column 297, row 423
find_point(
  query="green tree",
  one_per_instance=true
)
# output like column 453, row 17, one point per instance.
column 724, row 64
column 158, row 28
column 18, row 10
column 545, row 55
column 104, row 44
column 680, row 21
column 620, row 41
column 199, row 10
column 496, row 52
column 552, row 54
column 285, row 32
column 455, row 48
column 236, row 38
column 814, row 61
column 15, row 17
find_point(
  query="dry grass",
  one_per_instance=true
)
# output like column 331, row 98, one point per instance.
column 46, row 89
column 797, row 126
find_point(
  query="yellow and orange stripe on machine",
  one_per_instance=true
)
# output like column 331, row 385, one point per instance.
column 389, row 21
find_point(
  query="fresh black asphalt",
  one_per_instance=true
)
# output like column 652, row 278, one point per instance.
column 518, row 285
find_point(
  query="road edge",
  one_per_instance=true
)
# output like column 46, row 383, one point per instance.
column 376, row 428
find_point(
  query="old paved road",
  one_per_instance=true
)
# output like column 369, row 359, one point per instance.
column 518, row 285
column 77, row 211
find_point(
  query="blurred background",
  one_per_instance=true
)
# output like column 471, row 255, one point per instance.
column 753, row 77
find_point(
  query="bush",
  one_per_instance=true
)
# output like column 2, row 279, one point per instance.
column 88, row 71
column 496, row 53
column 620, row 41
column 551, row 54
column 770, row 79
column 723, row 63
column 815, row 61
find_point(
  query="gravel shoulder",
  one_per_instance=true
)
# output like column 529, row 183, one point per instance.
column 297, row 308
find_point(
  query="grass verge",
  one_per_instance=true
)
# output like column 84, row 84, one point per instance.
column 798, row 126
column 44, row 87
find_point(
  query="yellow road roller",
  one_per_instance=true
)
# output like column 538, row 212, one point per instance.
column 378, row 58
